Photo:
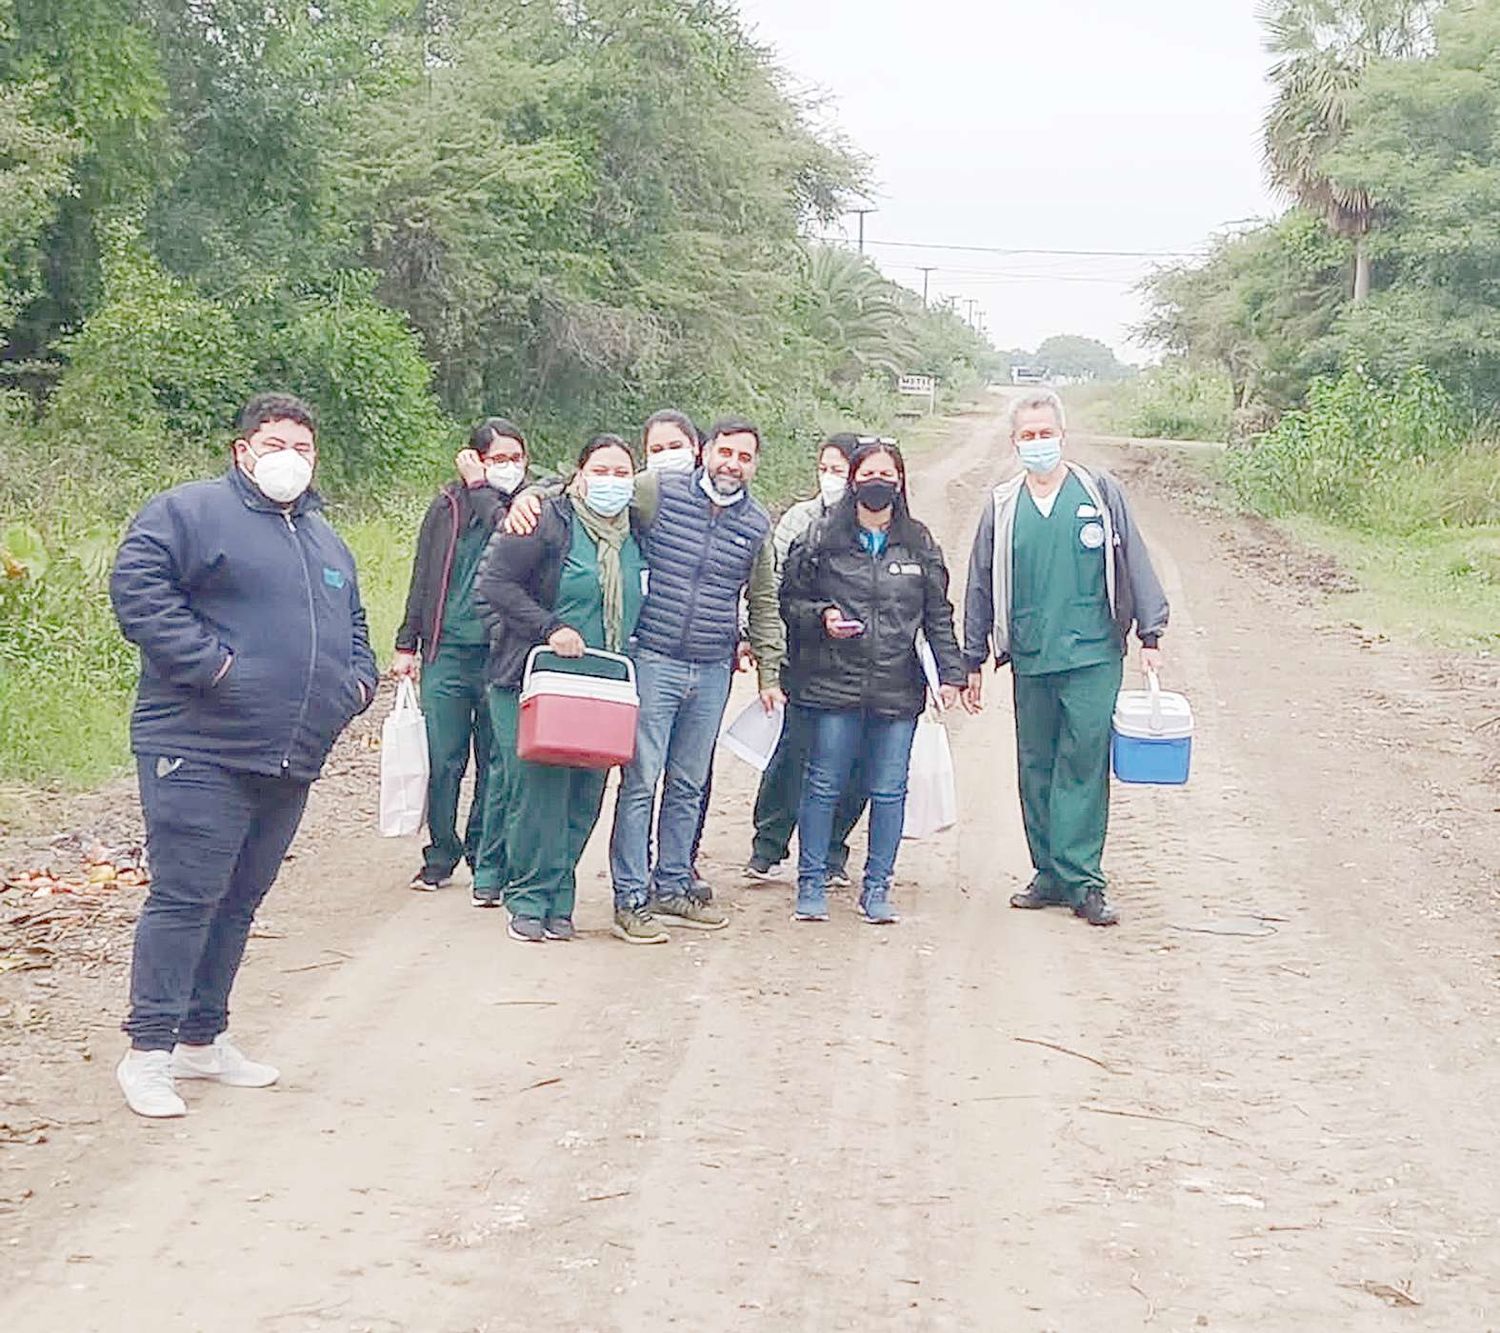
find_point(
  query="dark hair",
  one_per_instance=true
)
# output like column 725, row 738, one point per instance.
column 670, row 416
column 734, row 426
column 843, row 522
column 266, row 407
column 845, row 442
column 603, row 441
column 494, row 428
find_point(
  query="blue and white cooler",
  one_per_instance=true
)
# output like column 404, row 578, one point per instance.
column 1152, row 741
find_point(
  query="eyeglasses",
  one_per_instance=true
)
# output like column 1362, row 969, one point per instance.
column 874, row 439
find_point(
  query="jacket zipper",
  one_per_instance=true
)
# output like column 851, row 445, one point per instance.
column 692, row 603
column 442, row 597
column 312, row 659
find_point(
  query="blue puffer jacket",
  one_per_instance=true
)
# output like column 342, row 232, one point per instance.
column 213, row 571
column 700, row 557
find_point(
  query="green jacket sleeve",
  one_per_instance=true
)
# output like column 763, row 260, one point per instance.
column 767, row 633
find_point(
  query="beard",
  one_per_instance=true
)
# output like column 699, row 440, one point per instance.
column 726, row 484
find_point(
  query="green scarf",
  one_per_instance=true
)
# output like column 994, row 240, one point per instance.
column 609, row 536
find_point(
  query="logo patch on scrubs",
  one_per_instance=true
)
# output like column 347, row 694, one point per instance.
column 1091, row 535
column 334, row 578
column 1087, row 511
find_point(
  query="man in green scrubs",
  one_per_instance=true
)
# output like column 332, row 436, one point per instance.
column 1058, row 577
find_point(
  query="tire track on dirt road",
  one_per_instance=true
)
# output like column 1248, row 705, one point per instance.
column 781, row 1127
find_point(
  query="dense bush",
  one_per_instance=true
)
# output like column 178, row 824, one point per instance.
column 1394, row 456
column 1175, row 401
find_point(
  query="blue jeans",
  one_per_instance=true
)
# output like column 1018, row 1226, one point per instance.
column 682, row 704
column 882, row 745
column 215, row 838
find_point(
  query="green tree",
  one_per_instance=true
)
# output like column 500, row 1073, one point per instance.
column 1322, row 48
column 1079, row 358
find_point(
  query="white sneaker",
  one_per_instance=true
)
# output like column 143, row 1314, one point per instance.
column 223, row 1062
column 145, row 1077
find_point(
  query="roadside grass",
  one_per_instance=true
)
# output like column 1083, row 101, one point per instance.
column 1440, row 588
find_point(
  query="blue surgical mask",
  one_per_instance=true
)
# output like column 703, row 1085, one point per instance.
column 607, row 496
column 1040, row 456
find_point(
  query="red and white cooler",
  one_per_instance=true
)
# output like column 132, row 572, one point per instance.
column 578, row 712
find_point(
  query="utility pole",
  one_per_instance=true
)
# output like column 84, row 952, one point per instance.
column 860, row 214
column 927, row 270
column 971, row 302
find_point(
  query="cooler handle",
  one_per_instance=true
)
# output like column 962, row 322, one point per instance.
column 587, row 652
column 1153, row 683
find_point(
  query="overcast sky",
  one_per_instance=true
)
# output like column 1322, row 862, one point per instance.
column 1059, row 124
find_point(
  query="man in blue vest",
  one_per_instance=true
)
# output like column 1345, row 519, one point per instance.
column 254, row 657
column 706, row 541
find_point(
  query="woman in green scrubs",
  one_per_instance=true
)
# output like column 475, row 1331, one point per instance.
column 574, row 583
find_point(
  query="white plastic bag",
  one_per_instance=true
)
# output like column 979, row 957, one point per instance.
column 931, row 793
column 403, row 767
column 754, row 734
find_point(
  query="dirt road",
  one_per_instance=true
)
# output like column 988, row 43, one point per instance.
column 1275, row 1109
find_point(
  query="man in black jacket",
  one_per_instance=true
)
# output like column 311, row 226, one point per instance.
column 254, row 657
column 443, row 632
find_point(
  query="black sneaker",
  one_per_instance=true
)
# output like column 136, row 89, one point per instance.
column 428, row 880
column 839, row 879
column 758, row 867
column 1034, row 897
column 558, row 928
column 527, row 929
column 1096, row 911
column 485, row 897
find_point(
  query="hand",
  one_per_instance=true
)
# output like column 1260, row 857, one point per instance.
column 566, row 642
column 833, row 629
column 974, row 693
column 404, row 665
column 947, row 696
column 744, row 657
column 470, row 467
column 1151, row 660
column 525, row 513
column 773, row 698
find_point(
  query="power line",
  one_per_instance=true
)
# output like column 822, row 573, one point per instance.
column 1003, row 250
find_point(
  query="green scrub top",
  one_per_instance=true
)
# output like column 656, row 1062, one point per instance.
column 462, row 624
column 1060, row 617
column 580, row 599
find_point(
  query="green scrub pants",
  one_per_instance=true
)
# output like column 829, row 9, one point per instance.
column 458, row 721
column 548, row 812
column 1062, row 749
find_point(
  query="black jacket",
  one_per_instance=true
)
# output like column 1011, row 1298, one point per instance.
column 903, row 590
column 451, row 511
column 254, row 653
column 516, row 590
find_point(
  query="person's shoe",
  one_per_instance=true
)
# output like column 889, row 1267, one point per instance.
column 145, row 1077
column 1034, row 897
column 635, row 925
column 810, row 906
column 875, row 907
column 1096, row 911
column 689, row 912
column 702, row 891
column 223, row 1062
column 559, row 928
column 527, row 929
column 428, row 880
column 759, row 868
column 485, row 897
column 839, row 879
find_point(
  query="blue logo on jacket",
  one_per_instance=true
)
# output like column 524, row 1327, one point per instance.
column 334, row 578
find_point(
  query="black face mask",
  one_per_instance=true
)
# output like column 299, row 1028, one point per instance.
column 876, row 494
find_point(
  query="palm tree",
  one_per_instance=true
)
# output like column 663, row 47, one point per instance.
column 851, row 308
column 1322, row 49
